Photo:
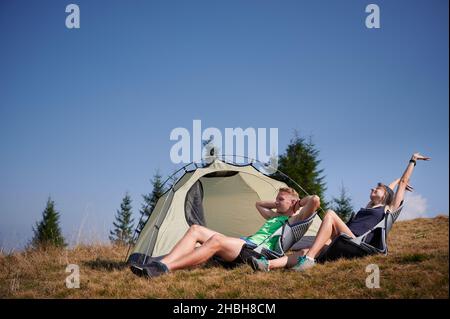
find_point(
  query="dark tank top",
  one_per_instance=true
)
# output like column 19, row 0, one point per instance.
column 365, row 220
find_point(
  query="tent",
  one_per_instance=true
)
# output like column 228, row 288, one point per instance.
column 219, row 195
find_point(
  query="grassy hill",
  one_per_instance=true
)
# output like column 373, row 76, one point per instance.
column 416, row 267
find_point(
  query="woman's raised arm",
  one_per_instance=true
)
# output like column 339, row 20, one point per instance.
column 403, row 183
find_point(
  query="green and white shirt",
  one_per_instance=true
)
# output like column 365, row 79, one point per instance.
column 266, row 230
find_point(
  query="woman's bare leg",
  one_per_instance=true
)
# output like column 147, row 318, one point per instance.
column 227, row 248
column 186, row 245
column 331, row 227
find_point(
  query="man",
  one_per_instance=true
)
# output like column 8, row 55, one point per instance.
column 286, row 207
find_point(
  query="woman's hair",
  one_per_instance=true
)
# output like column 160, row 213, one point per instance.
column 290, row 191
column 388, row 196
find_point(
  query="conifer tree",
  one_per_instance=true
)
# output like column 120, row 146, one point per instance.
column 343, row 205
column 123, row 225
column 151, row 199
column 48, row 232
column 301, row 163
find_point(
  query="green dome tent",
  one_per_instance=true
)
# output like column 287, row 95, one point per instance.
column 220, row 196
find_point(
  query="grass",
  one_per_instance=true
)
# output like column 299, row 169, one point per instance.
column 416, row 267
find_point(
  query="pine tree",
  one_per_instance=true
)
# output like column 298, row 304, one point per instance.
column 151, row 199
column 47, row 231
column 123, row 226
column 300, row 162
column 343, row 205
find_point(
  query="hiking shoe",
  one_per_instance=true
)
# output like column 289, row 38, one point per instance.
column 259, row 264
column 155, row 269
column 304, row 263
column 138, row 270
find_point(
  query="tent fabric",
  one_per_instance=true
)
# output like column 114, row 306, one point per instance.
column 220, row 196
column 194, row 205
column 228, row 202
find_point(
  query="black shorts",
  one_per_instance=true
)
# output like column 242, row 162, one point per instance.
column 244, row 257
column 246, row 254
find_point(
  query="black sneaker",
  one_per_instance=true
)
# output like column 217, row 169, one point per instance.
column 259, row 264
column 138, row 270
column 148, row 260
column 155, row 269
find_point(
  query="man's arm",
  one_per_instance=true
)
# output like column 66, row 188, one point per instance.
column 265, row 209
column 308, row 205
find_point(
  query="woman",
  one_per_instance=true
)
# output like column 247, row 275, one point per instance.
column 382, row 199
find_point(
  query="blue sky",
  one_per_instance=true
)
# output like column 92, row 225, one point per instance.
column 86, row 114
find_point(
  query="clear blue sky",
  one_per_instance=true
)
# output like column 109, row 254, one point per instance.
column 85, row 115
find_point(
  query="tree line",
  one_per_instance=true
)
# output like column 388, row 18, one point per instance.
column 300, row 162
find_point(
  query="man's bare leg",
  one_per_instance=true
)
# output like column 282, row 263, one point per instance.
column 280, row 262
column 187, row 244
column 331, row 227
column 228, row 248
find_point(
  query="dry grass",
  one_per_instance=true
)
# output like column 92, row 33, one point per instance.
column 416, row 267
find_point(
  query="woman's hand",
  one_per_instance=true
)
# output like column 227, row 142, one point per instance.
column 419, row 157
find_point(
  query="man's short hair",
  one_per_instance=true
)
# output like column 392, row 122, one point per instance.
column 290, row 191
